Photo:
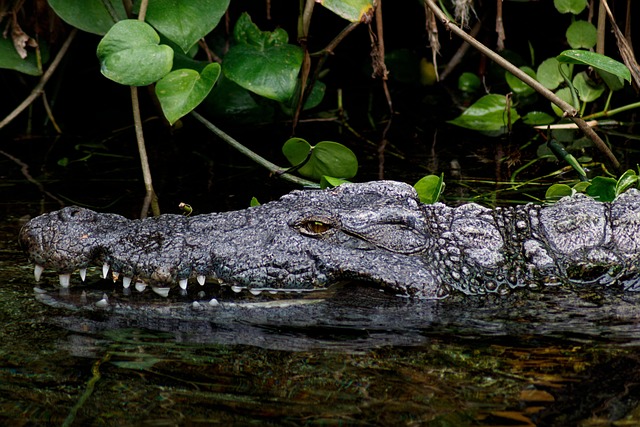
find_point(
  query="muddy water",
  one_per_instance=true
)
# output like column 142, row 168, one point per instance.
column 351, row 357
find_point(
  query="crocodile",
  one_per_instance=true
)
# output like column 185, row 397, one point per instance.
column 376, row 232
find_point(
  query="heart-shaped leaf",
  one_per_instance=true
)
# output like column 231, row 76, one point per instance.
column 130, row 54
column 185, row 22
column 429, row 188
column 517, row 85
column 326, row 158
column 570, row 6
column 488, row 114
column 263, row 62
column 91, row 16
column 582, row 34
column 549, row 74
column 182, row 90
column 588, row 90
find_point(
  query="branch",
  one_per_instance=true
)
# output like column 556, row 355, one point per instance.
column 271, row 167
column 568, row 109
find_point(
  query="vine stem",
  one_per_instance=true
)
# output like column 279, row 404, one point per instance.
column 37, row 90
column 271, row 167
column 150, row 198
column 568, row 109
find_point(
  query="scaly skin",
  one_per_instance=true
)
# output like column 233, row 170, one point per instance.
column 377, row 232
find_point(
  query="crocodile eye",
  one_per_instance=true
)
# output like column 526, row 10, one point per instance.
column 314, row 228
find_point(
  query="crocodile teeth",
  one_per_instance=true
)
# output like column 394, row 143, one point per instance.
column 236, row 289
column 83, row 274
column 255, row 292
column 105, row 270
column 214, row 302
column 64, row 280
column 201, row 279
column 140, row 286
column 115, row 275
column 163, row 292
column 183, row 283
column 126, row 282
column 197, row 306
column 104, row 302
column 37, row 272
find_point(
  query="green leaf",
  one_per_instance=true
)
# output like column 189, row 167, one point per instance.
column 518, row 86
column 89, row 15
column 254, row 202
column 10, row 59
column 236, row 104
column 588, row 90
column 262, row 62
column 536, row 118
column 326, row 158
column 351, row 10
column 602, row 188
column 557, row 192
column 596, row 60
column 565, row 95
column 185, row 22
column 626, row 181
column 469, row 82
column 429, row 188
column 582, row 34
column 130, row 54
column 549, row 75
column 181, row 91
column 331, row 182
column 486, row 114
column 570, row 6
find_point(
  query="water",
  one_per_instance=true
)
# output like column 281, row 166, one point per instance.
column 351, row 356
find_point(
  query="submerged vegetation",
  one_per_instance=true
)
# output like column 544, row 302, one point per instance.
column 297, row 66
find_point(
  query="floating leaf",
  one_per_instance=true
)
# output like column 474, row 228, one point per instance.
column 429, row 188
column 570, row 6
column 182, row 90
column 582, row 34
column 89, row 15
column 263, row 62
column 489, row 113
column 518, row 86
column 130, row 54
column 351, row 10
column 626, row 181
column 325, row 158
column 557, row 192
column 602, row 188
column 596, row 60
column 185, row 22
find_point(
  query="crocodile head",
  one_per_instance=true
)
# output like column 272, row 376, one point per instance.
column 374, row 232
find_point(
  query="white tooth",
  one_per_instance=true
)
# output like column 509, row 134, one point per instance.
column 183, row 283
column 255, row 291
column 83, row 274
column 236, row 289
column 105, row 270
column 64, row 280
column 273, row 292
column 126, row 281
column 163, row 292
column 213, row 302
column 115, row 275
column 201, row 279
column 37, row 272
column 104, row 302
column 140, row 286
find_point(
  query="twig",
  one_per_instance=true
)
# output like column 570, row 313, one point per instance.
column 43, row 81
column 271, row 167
column 568, row 109
column 24, row 168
